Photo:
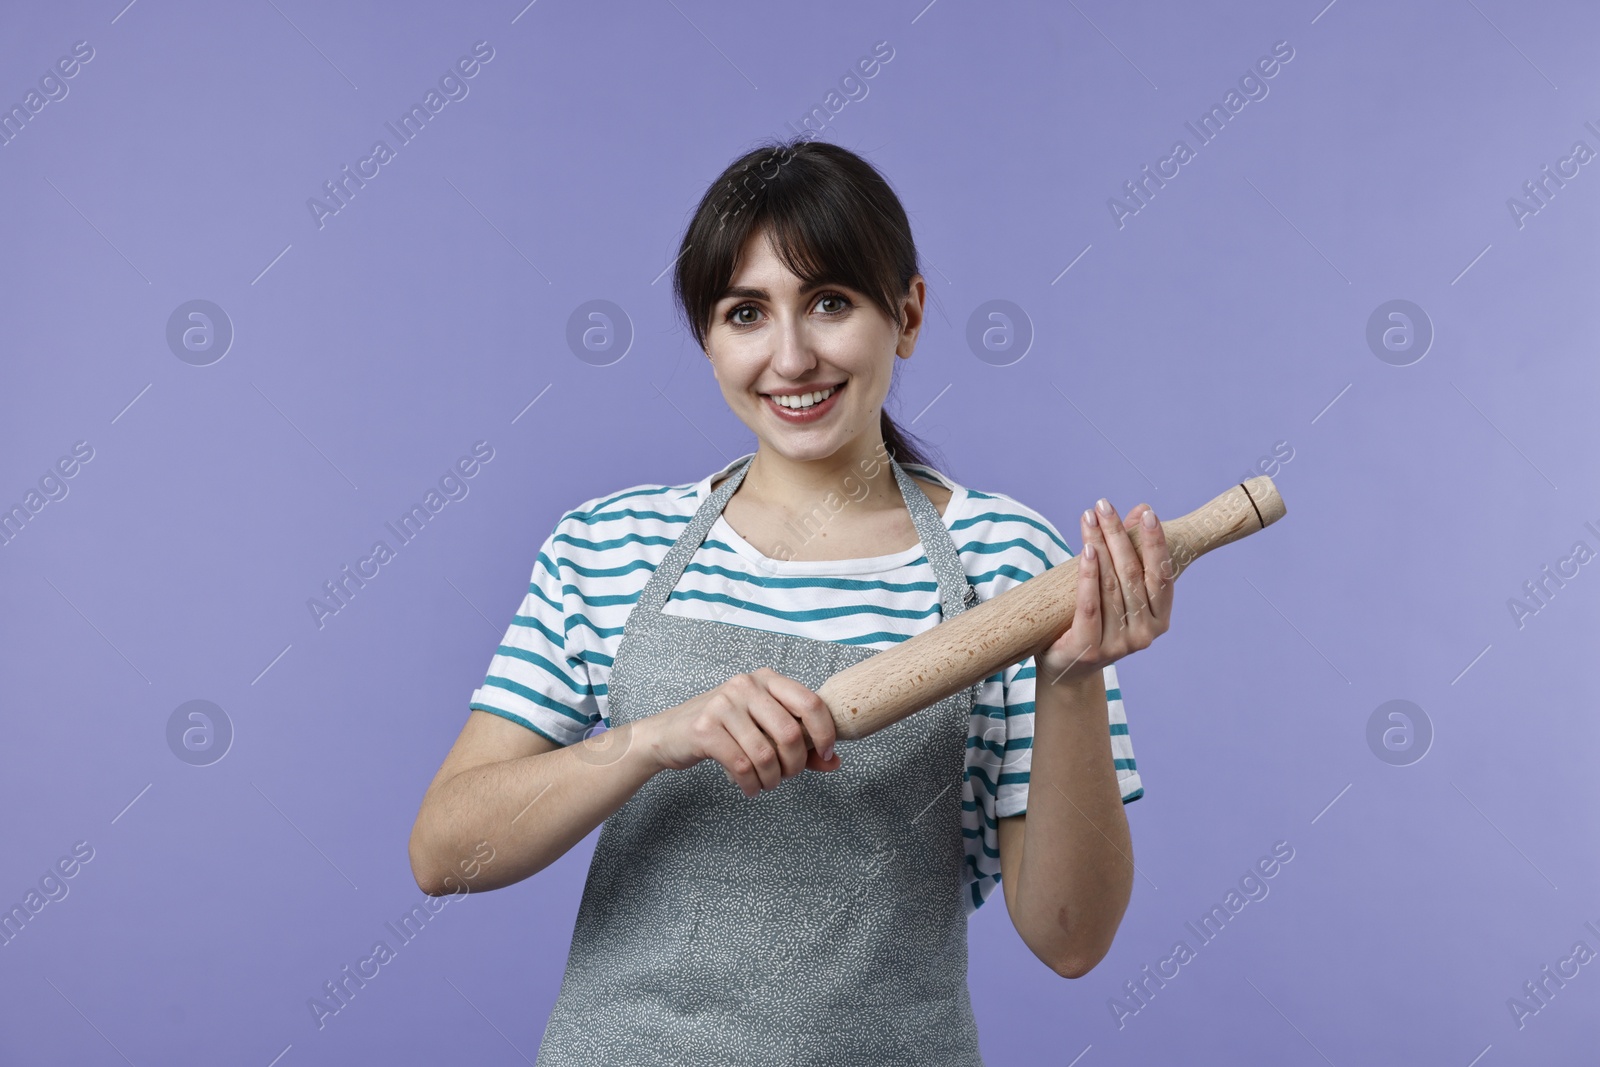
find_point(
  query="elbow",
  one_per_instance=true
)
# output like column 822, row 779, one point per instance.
column 426, row 879
column 1077, row 948
column 1067, row 960
column 1075, row 961
column 1061, row 951
column 445, row 869
column 424, row 868
column 1074, row 966
column 430, row 888
column 431, row 881
column 440, row 882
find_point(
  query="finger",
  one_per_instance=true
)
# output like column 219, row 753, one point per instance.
column 783, row 731
column 1134, row 520
column 806, row 705
column 1158, row 566
column 759, row 749
column 1127, row 570
column 736, row 763
column 1112, row 608
column 815, row 762
column 1084, row 633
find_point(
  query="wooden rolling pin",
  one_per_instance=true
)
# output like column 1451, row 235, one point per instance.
column 1020, row 622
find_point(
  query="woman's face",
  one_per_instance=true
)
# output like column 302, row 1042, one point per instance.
column 768, row 339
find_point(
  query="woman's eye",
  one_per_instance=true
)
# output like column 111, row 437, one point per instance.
column 841, row 302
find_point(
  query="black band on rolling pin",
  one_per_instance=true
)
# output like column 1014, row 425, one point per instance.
column 1252, row 500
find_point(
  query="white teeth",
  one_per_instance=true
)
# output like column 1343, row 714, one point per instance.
column 804, row 400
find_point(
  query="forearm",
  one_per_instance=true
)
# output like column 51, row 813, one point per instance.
column 529, row 810
column 1077, row 867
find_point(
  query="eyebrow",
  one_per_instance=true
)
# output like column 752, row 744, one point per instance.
column 748, row 293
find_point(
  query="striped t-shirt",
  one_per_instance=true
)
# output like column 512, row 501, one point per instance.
column 550, row 671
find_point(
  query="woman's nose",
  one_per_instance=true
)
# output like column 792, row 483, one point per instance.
column 791, row 349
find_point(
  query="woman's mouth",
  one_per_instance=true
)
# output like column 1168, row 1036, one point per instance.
column 807, row 407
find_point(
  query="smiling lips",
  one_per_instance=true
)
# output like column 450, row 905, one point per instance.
column 803, row 407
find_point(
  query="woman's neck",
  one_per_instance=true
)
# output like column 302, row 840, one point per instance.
column 843, row 509
column 862, row 476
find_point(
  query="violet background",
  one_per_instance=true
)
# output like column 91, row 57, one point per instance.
column 1228, row 315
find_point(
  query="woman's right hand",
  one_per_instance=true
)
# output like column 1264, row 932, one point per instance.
column 754, row 724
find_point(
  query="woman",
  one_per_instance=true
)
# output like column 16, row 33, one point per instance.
column 737, row 910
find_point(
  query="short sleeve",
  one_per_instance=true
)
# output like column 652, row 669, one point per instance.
column 1018, row 692
column 536, row 677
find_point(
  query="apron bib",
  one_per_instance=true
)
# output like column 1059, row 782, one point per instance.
column 820, row 922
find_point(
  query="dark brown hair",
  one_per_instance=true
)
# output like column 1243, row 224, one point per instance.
column 832, row 218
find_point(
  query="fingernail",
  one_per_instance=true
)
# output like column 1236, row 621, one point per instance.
column 1088, row 551
column 828, row 755
column 1090, row 517
column 1149, row 520
column 1105, row 506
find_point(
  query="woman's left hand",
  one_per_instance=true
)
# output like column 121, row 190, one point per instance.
column 1123, row 604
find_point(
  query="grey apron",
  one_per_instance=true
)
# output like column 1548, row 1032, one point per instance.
column 821, row 922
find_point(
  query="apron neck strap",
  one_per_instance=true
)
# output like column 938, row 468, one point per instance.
column 955, row 592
